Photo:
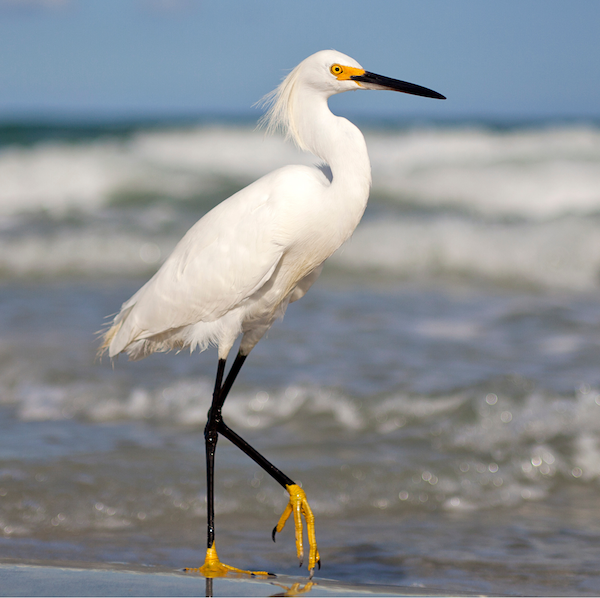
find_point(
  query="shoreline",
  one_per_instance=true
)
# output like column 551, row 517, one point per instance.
column 55, row 578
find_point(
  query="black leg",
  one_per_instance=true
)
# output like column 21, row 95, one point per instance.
column 232, row 375
column 275, row 473
column 211, row 436
column 222, row 428
column 212, row 566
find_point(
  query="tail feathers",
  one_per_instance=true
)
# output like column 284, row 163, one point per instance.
column 128, row 336
column 107, row 339
column 163, row 343
column 116, row 338
column 120, row 337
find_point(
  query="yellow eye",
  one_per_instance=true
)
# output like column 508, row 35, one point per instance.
column 336, row 70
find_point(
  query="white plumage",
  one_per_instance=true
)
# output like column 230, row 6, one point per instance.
column 237, row 268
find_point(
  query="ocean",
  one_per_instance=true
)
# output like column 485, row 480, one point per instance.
column 436, row 393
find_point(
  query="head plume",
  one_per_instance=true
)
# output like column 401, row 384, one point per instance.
column 313, row 76
column 280, row 109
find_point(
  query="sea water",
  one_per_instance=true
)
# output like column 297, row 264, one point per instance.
column 437, row 393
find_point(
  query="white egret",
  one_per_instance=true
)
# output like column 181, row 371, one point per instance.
column 237, row 269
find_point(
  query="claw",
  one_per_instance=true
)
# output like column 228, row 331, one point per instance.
column 299, row 506
column 213, row 567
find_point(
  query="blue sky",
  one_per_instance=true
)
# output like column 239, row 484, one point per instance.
column 144, row 58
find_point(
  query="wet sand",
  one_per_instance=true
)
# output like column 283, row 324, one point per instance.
column 75, row 579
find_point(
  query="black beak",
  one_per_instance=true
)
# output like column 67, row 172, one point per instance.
column 380, row 82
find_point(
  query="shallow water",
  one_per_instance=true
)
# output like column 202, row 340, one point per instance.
column 437, row 432
column 436, row 393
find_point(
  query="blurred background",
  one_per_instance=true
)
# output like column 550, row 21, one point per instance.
column 437, row 393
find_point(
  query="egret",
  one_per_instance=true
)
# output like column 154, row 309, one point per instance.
column 237, row 269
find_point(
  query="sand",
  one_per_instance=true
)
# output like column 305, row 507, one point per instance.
column 18, row 579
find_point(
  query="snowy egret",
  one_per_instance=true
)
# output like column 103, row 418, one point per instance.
column 237, row 269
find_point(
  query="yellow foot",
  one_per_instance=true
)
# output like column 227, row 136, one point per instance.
column 299, row 506
column 213, row 567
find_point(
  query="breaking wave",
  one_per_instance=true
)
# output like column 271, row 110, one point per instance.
column 520, row 206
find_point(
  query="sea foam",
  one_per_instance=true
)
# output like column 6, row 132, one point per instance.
column 518, row 206
column 528, row 173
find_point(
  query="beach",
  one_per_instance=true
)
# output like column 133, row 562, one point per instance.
column 436, row 394
column 103, row 580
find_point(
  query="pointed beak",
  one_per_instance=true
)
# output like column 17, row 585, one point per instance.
column 373, row 81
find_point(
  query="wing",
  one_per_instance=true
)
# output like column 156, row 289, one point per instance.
column 220, row 262
column 226, row 257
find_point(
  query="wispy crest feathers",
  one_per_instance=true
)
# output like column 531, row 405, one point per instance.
column 280, row 104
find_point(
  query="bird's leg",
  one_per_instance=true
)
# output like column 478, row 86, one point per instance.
column 211, row 436
column 212, row 565
column 298, row 504
column 238, row 362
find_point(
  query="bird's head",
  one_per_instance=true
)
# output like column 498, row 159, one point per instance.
column 324, row 74
column 333, row 72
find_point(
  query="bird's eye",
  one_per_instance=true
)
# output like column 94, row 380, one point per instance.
column 336, row 70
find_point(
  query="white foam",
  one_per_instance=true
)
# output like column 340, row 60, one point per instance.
column 82, row 252
column 534, row 173
column 58, row 176
column 561, row 253
column 490, row 449
column 502, row 422
column 548, row 179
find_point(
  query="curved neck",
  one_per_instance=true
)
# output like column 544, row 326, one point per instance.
column 336, row 141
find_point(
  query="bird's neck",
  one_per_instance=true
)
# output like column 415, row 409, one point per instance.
column 339, row 143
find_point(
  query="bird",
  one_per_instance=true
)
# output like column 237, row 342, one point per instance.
column 237, row 269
